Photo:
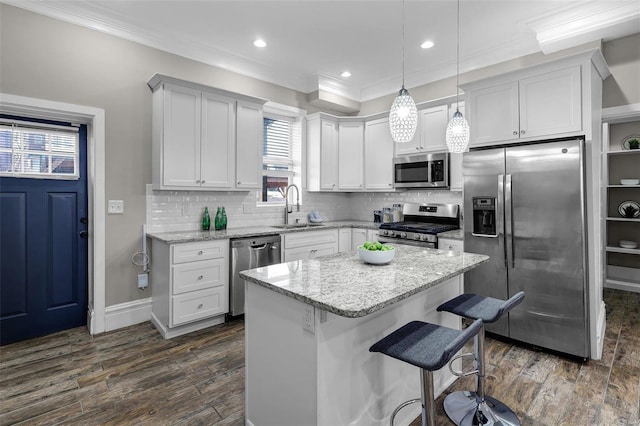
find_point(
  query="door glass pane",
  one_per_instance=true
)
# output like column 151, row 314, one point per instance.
column 63, row 142
column 35, row 141
column 36, row 163
column 5, row 138
column 5, row 161
column 62, row 165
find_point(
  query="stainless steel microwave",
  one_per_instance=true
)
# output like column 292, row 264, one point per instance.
column 421, row 171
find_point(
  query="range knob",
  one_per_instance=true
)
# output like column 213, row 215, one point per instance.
column 423, row 238
column 391, row 233
column 416, row 236
column 403, row 235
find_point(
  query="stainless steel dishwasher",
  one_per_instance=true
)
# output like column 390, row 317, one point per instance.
column 249, row 253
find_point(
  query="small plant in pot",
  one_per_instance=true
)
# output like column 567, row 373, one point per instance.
column 634, row 143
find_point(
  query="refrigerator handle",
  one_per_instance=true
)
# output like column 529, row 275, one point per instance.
column 508, row 217
column 500, row 219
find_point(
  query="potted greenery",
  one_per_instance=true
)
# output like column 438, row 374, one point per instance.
column 634, row 143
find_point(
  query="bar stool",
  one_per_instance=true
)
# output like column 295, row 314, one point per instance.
column 476, row 408
column 429, row 347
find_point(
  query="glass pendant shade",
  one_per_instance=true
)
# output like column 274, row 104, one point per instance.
column 403, row 117
column 457, row 133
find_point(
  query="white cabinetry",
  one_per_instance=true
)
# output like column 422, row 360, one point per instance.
column 190, row 285
column 204, row 138
column 378, row 156
column 622, row 265
column 344, row 239
column 249, row 145
column 350, row 155
column 358, row 237
column 322, row 153
column 548, row 104
column 430, row 135
column 309, row 244
column 372, row 235
column 450, row 244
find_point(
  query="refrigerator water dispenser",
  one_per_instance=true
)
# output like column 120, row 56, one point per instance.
column 484, row 216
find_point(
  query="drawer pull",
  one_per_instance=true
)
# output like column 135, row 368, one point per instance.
column 200, row 306
column 200, row 252
column 200, row 277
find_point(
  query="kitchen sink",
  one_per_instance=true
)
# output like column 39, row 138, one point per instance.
column 298, row 225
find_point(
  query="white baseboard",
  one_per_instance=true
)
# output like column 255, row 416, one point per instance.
column 170, row 333
column 126, row 314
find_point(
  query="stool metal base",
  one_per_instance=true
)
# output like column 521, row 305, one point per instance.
column 463, row 409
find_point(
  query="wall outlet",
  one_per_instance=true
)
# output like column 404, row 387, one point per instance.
column 143, row 280
column 308, row 318
column 115, row 207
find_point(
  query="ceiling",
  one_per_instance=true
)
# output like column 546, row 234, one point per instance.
column 311, row 42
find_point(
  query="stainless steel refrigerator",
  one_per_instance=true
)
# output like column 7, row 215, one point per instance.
column 524, row 206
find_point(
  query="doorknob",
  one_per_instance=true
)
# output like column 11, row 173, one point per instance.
column 83, row 234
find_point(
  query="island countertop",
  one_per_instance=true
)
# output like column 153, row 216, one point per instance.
column 344, row 285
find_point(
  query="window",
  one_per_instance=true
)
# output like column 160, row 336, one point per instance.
column 41, row 152
column 280, row 157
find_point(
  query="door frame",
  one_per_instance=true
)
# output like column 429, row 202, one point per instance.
column 94, row 118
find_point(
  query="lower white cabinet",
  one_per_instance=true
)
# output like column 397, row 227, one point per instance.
column 309, row 244
column 449, row 244
column 190, row 285
column 344, row 239
column 358, row 237
column 372, row 235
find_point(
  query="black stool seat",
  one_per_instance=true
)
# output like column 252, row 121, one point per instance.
column 485, row 308
column 425, row 345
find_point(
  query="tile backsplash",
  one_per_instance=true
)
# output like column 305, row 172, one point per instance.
column 182, row 210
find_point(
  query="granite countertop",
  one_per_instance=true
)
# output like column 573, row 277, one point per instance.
column 456, row 234
column 344, row 285
column 252, row 231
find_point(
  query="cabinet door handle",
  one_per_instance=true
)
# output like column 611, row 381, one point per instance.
column 239, row 183
column 200, row 253
column 202, row 181
column 417, row 148
column 198, row 181
column 200, row 306
column 200, row 277
column 522, row 132
column 515, row 133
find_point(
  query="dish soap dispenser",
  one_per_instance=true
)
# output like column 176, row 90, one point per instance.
column 206, row 220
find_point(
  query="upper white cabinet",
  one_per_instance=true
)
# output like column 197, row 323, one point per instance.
column 351, row 156
column 378, row 155
column 430, row 134
column 248, row 145
column 204, row 138
column 547, row 104
column 322, row 153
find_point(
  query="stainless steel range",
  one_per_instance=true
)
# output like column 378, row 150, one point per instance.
column 422, row 222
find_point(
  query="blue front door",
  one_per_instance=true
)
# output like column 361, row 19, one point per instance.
column 43, row 253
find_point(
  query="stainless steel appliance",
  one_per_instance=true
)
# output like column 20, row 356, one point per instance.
column 526, row 206
column 421, row 171
column 249, row 253
column 422, row 223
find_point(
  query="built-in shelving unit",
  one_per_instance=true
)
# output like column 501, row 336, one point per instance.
column 622, row 265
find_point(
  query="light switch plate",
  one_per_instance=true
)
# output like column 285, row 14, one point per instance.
column 115, row 207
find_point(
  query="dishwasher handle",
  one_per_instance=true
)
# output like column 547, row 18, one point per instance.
column 259, row 246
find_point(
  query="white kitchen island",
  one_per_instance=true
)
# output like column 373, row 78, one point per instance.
column 309, row 325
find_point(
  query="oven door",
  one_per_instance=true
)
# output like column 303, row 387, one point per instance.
column 400, row 241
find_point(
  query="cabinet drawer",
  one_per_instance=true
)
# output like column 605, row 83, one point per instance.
column 197, row 305
column 199, row 275
column 453, row 245
column 309, row 252
column 190, row 252
column 309, row 238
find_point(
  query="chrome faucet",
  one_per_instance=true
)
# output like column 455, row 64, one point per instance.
column 286, row 202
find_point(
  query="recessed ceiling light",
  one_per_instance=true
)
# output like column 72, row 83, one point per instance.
column 346, row 74
column 259, row 43
column 427, row 44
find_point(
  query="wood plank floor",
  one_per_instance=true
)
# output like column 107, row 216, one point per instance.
column 133, row 376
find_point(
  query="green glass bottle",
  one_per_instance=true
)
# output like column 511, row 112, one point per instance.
column 218, row 220
column 224, row 219
column 206, row 220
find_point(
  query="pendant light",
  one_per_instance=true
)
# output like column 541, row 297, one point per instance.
column 403, row 117
column 457, row 135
